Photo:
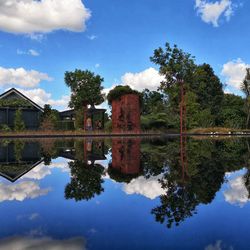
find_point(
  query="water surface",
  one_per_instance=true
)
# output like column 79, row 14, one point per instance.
column 125, row 193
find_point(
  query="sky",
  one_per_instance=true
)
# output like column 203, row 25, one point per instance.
column 41, row 39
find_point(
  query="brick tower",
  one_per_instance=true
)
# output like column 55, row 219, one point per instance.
column 126, row 114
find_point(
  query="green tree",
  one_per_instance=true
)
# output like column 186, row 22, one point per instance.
column 19, row 124
column 232, row 113
column 208, row 89
column 86, row 88
column 152, row 101
column 49, row 118
column 86, row 181
column 245, row 87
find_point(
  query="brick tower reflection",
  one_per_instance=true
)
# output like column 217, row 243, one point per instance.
column 125, row 157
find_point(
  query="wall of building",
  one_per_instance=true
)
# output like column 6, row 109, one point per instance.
column 126, row 114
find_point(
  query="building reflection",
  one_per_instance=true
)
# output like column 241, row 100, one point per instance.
column 18, row 157
column 126, row 159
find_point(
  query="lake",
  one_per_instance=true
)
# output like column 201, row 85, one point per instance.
column 125, row 193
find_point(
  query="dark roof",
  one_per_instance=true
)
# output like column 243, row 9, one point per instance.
column 72, row 111
column 20, row 169
column 13, row 90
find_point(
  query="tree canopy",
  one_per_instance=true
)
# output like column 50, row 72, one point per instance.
column 86, row 88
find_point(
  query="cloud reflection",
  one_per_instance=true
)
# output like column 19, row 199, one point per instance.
column 237, row 192
column 21, row 191
column 22, row 243
column 150, row 188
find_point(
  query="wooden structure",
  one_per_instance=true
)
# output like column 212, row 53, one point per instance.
column 94, row 118
column 11, row 101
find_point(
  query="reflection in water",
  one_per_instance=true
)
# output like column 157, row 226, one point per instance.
column 126, row 159
column 86, row 176
column 183, row 177
column 22, row 243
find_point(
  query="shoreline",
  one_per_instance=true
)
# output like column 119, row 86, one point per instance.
column 32, row 134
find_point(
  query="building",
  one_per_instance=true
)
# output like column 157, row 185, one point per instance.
column 126, row 114
column 11, row 101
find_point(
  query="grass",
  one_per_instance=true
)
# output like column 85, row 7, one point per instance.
column 75, row 133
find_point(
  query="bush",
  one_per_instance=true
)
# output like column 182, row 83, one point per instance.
column 5, row 128
column 119, row 91
column 18, row 121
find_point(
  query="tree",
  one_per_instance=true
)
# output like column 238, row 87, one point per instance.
column 245, row 87
column 232, row 113
column 86, row 181
column 18, row 121
column 152, row 101
column 86, row 88
column 208, row 89
column 177, row 67
column 49, row 118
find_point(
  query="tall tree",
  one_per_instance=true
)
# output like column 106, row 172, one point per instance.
column 177, row 67
column 208, row 89
column 86, row 88
column 245, row 87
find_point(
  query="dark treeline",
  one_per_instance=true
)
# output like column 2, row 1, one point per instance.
column 207, row 104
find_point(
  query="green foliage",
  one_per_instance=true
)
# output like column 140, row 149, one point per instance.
column 208, row 89
column 86, row 181
column 119, row 91
column 49, row 118
column 204, row 92
column 15, row 102
column 79, row 119
column 18, row 149
column 5, row 128
column 18, row 121
column 232, row 114
column 85, row 88
column 245, row 87
column 175, row 65
column 152, row 101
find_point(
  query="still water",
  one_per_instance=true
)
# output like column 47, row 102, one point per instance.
column 125, row 193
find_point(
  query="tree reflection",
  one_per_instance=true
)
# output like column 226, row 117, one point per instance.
column 86, row 176
column 86, row 181
column 207, row 164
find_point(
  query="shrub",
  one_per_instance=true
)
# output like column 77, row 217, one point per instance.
column 18, row 121
column 119, row 91
column 5, row 128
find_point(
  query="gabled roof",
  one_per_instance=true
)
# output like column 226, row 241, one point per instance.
column 13, row 90
column 20, row 169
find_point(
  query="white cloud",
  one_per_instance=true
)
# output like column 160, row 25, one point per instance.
column 149, row 78
column 22, row 243
column 97, row 65
column 41, row 97
column 32, row 16
column 236, row 193
column 211, row 12
column 21, row 77
column 219, row 245
column 21, row 191
column 150, row 188
column 92, row 37
column 234, row 71
column 41, row 171
column 30, row 52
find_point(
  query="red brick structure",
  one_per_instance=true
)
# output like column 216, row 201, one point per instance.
column 126, row 114
column 126, row 156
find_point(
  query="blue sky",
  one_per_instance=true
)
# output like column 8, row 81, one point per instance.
column 40, row 40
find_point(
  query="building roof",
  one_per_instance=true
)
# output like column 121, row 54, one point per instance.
column 13, row 90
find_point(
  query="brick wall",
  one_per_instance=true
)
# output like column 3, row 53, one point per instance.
column 126, row 114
